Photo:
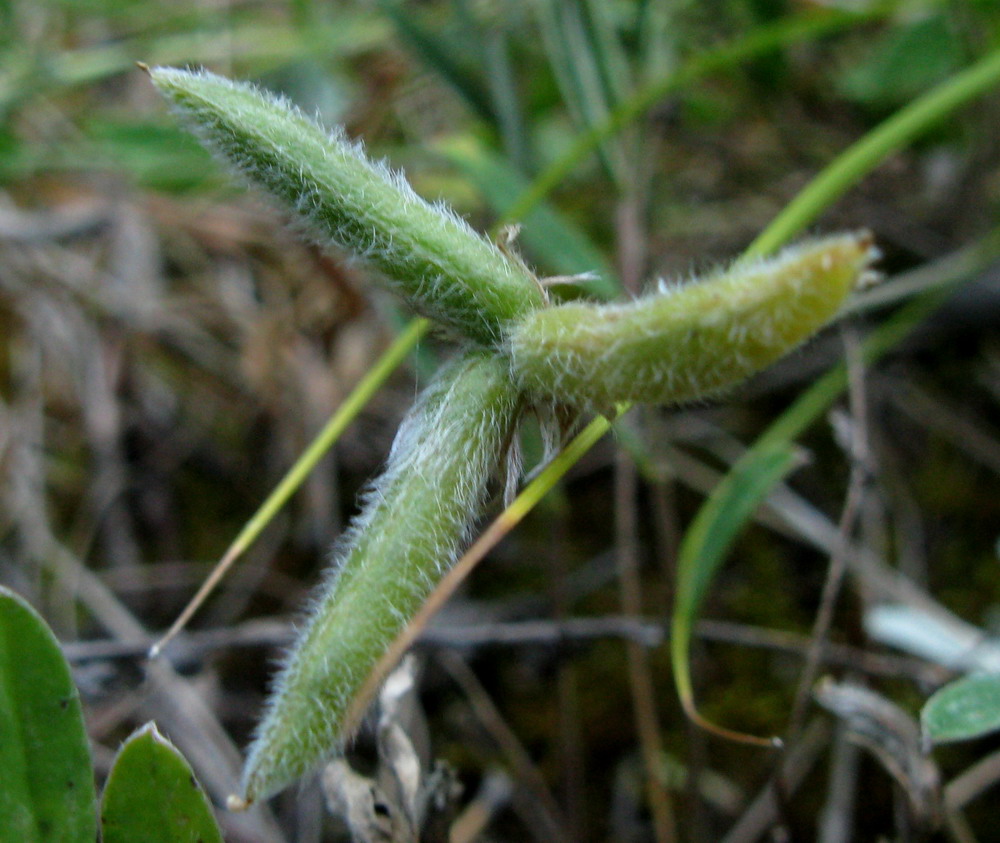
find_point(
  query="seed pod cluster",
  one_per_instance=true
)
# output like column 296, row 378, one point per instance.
column 680, row 344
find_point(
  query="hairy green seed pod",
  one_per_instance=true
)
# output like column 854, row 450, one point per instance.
column 412, row 523
column 688, row 341
column 427, row 254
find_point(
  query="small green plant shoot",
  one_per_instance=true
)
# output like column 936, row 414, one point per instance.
column 521, row 353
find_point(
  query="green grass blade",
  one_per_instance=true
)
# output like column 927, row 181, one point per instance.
column 261, row 46
column 756, row 43
column 557, row 242
column 707, row 541
column 962, row 710
column 438, row 54
column 297, row 474
column 46, row 785
column 573, row 58
column 861, row 158
column 699, row 555
column 151, row 795
column 609, row 51
column 658, row 39
column 332, row 431
column 506, row 97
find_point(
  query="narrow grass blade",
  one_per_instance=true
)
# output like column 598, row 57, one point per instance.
column 609, row 51
column 751, row 45
column 574, row 61
column 763, row 459
column 861, row 158
column 551, row 237
column 151, row 795
column 304, row 465
column 962, row 710
column 440, row 54
column 506, row 96
column 46, row 785
column 260, row 46
column 706, row 543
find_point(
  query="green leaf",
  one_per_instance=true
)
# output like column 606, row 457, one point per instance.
column 551, row 237
column 707, row 541
column 962, row 710
column 908, row 60
column 46, row 786
column 152, row 795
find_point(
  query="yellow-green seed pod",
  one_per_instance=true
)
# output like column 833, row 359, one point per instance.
column 689, row 341
column 406, row 537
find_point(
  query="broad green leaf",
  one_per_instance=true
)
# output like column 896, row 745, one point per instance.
column 46, row 785
column 151, row 795
column 905, row 62
column 707, row 541
column 965, row 709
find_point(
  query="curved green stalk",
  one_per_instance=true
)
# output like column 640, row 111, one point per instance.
column 864, row 156
column 406, row 537
column 427, row 254
column 296, row 475
column 755, row 43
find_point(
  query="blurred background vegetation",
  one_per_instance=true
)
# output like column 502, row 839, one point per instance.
column 170, row 347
